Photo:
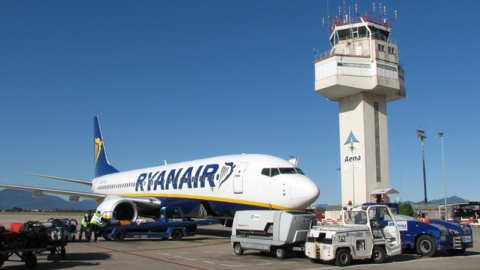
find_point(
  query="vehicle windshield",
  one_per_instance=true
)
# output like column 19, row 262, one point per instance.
column 355, row 216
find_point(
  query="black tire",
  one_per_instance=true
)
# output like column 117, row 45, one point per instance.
column 237, row 248
column 63, row 253
column 425, row 245
column 105, row 236
column 30, row 260
column 280, row 253
column 118, row 235
column 177, row 235
column 456, row 251
column 343, row 257
column 378, row 254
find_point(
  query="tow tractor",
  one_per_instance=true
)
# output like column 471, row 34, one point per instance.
column 359, row 236
column 426, row 236
column 172, row 223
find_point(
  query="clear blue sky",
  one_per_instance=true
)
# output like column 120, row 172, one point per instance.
column 183, row 80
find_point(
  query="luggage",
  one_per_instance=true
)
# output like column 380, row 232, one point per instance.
column 125, row 222
column 15, row 227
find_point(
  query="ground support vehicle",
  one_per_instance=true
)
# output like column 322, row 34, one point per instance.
column 357, row 237
column 271, row 231
column 426, row 236
column 172, row 223
column 30, row 239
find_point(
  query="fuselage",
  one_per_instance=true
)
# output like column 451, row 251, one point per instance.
column 222, row 184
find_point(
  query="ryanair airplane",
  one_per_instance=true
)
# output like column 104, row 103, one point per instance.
column 213, row 187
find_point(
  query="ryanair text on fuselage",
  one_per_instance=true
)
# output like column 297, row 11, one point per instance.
column 190, row 178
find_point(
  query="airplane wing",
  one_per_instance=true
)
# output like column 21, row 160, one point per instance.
column 88, row 183
column 144, row 203
column 74, row 194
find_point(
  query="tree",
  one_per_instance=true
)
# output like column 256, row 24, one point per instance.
column 406, row 209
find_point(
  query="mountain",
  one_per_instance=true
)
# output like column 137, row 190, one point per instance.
column 451, row 199
column 10, row 198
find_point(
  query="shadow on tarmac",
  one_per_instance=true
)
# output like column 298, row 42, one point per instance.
column 72, row 260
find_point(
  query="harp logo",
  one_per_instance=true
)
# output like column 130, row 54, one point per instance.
column 98, row 148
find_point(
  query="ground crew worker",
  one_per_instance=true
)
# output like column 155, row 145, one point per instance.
column 85, row 226
column 96, row 224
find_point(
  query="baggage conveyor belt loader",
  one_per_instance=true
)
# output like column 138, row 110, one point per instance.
column 271, row 231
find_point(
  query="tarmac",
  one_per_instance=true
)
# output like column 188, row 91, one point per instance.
column 209, row 249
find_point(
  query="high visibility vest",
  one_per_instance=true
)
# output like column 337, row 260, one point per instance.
column 97, row 220
column 85, row 220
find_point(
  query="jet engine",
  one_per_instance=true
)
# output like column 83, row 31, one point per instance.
column 119, row 208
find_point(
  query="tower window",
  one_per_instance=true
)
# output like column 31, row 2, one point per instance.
column 381, row 47
column 391, row 50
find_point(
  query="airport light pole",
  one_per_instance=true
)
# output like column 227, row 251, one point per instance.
column 422, row 135
column 441, row 135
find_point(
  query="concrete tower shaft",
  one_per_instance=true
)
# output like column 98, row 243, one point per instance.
column 362, row 73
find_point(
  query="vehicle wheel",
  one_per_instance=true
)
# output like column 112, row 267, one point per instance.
column 426, row 246
column 343, row 257
column 63, row 253
column 30, row 260
column 118, row 235
column 456, row 251
column 378, row 255
column 177, row 235
column 238, row 249
column 105, row 236
column 280, row 253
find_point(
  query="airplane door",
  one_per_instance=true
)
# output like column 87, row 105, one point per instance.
column 238, row 178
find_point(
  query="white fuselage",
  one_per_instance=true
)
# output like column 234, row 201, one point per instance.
column 227, row 182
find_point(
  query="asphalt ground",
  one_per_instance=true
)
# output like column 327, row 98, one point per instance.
column 209, row 249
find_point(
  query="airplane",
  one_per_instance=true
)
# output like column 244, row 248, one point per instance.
column 214, row 187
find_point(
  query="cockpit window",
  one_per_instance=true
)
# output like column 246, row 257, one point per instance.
column 276, row 171
column 287, row 171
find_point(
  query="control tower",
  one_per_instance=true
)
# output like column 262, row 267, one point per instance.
column 361, row 72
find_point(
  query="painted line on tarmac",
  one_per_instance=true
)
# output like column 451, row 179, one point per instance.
column 147, row 257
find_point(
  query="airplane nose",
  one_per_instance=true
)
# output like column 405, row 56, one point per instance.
column 303, row 192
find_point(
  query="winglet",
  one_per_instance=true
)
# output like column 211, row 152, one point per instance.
column 102, row 166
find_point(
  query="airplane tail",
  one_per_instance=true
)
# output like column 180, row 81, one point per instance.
column 102, row 166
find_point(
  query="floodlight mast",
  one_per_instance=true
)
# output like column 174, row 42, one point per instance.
column 422, row 135
column 441, row 135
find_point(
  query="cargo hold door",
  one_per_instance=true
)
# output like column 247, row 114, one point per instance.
column 238, row 178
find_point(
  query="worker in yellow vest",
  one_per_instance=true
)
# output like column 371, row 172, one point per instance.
column 96, row 224
column 85, row 226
